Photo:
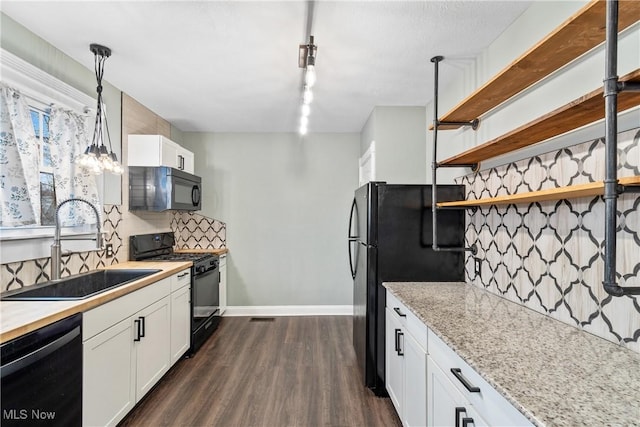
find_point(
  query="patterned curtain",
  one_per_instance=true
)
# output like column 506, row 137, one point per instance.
column 69, row 135
column 19, row 162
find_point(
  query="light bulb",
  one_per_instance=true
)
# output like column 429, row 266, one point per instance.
column 304, row 121
column 303, row 130
column 306, row 110
column 310, row 76
column 307, row 95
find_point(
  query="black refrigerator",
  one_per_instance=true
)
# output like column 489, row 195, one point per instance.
column 390, row 240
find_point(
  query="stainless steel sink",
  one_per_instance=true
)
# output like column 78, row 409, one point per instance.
column 77, row 287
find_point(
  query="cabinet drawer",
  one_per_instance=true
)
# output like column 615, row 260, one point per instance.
column 413, row 325
column 494, row 408
column 180, row 279
column 100, row 318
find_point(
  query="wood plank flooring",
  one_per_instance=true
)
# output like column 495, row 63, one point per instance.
column 289, row 371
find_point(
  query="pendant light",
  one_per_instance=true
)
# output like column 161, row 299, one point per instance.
column 97, row 158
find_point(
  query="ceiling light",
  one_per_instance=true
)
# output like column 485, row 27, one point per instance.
column 97, row 158
column 307, row 60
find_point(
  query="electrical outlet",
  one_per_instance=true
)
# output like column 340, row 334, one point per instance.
column 478, row 266
column 108, row 248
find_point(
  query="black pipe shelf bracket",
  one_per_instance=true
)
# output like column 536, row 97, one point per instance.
column 435, row 166
column 611, row 187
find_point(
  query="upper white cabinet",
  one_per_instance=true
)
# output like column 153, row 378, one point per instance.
column 157, row 150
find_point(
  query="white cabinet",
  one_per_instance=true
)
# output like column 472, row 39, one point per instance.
column 180, row 315
column 223, row 283
column 127, row 347
column 453, row 383
column 446, row 405
column 151, row 350
column 406, row 363
column 109, row 389
column 157, row 150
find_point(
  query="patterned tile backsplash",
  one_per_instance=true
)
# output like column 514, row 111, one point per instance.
column 548, row 255
column 191, row 231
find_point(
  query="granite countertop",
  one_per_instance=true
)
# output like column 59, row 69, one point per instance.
column 555, row 374
column 20, row 317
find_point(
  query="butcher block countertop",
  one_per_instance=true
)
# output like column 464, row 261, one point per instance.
column 555, row 374
column 20, row 317
column 203, row 251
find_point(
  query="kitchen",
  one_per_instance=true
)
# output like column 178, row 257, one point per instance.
column 277, row 263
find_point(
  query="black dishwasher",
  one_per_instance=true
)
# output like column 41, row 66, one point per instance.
column 41, row 376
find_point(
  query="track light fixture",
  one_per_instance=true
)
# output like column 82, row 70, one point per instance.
column 307, row 60
column 96, row 157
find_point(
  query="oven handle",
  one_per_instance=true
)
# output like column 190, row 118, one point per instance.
column 198, row 275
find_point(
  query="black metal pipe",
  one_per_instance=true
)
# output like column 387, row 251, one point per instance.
column 611, row 88
column 434, row 168
column 434, row 163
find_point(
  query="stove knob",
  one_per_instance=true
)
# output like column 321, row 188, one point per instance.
column 201, row 269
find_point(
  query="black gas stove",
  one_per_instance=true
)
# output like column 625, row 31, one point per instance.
column 205, row 280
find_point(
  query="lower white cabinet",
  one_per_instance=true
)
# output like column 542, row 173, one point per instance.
column 430, row 385
column 223, row 283
column 180, row 322
column 127, row 348
column 446, row 405
column 406, row 363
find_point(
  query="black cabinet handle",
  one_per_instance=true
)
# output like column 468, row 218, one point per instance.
column 457, row 372
column 459, row 410
column 398, row 349
column 141, row 326
column 467, row 421
column 397, row 310
column 180, row 276
column 136, row 324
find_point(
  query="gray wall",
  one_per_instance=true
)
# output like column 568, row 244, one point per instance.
column 286, row 202
column 400, row 136
column 23, row 43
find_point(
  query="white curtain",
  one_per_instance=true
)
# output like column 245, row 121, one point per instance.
column 19, row 162
column 70, row 134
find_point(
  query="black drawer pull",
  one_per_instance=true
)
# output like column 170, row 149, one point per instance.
column 397, row 310
column 467, row 421
column 400, row 352
column 136, row 326
column 457, row 372
column 180, row 276
column 397, row 340
column 459, row 410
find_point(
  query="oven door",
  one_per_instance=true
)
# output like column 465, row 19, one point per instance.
column 206, row 296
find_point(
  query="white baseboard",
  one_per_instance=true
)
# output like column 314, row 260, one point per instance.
column 289, row 310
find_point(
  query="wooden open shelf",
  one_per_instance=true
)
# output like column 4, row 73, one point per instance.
column 574, row 37
column 571, row 192
column 582, row 111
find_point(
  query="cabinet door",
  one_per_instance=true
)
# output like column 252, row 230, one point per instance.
column 169, row 154
column 223, row 284
column 443, row 398
column 108, row 376
column 415, row 383
column 186, row 160
column 152, row 351
column 394, row 362
column 180, row 323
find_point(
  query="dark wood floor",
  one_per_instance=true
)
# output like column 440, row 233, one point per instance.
column 292, row 371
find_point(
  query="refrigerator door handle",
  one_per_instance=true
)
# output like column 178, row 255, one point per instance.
column 352, row 239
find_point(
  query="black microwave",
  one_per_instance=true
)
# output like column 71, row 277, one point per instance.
column 163, row 188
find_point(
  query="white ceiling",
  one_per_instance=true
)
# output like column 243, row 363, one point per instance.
column 231, row 66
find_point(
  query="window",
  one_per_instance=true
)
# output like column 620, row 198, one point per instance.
column 48, row 101
column 40, row 119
